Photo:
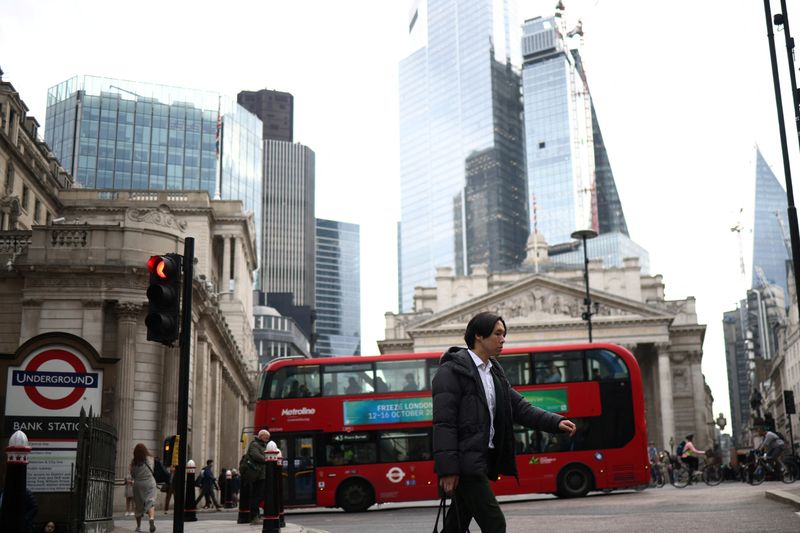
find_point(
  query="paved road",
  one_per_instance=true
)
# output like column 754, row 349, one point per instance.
column 729, row 508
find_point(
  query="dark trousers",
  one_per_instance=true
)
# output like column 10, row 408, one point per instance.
column 474, row 499
column 210, row 497
column 256, row 496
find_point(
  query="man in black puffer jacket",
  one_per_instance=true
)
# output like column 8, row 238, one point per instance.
column 474, row 410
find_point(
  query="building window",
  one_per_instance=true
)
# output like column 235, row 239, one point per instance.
column 541, row 145
column 25, row 195
column 37, row 210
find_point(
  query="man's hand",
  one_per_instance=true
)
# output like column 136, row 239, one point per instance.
column 449, row 484
column 567, row 426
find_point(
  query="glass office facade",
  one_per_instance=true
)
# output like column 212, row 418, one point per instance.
column 558, row 133
column 447, row 113
column 338, row 288
column 611, row 248
column 126, row 135
column 770, row 228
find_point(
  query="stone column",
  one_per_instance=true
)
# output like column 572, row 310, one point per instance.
column 127, row 318
column 31, row 319
column 169, row 391
column 200, row 400
column 665, row 395
column 699, row 401
column 213, row 417
column 226, row 264
column 92, row 326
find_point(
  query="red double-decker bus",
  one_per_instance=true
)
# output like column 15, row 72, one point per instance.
column 356, row 431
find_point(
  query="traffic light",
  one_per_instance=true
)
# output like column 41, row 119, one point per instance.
column 170, row 451
column 164, row 298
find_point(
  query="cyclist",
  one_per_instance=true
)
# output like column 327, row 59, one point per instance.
column 772, row 444
column 690, row 454
column 655, row 469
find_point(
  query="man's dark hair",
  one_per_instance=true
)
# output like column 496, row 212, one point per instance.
column 481, row 324
column 209, row 462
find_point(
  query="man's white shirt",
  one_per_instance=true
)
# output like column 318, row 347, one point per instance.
column 485, row 372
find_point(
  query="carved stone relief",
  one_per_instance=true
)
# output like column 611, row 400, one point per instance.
column 162, row 216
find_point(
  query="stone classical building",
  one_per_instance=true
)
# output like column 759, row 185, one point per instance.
column 545, row 308
column 30, row 176
column 87, row 276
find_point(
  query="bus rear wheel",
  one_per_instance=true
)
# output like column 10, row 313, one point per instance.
column 355, row 496
column 574, row 481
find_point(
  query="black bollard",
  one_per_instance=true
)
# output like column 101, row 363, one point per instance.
column 12, row 520
column 189, row 510
column 271, row 522
column 244, row 502
column 227, row 496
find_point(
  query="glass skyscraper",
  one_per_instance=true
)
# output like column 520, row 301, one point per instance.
column 570, row 181
column 450, row 111
column 127, row 135
column 770, row 228
column 338, row 288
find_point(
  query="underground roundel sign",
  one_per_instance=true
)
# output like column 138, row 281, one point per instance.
column 54, row 380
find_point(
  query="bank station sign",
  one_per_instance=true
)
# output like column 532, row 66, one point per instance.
column 44, row 397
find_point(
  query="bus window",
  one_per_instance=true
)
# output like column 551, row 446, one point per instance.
column 433, row 366
column 558, row 367
column 398, row 446
column 295, row 382
column 347, row 379
column 603, row 364
column 517, row 368
column 407, row 376
column 350, row 449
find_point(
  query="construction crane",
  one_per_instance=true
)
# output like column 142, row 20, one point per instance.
column 738, row 229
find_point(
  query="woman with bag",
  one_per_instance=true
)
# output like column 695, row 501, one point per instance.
column 144, row 486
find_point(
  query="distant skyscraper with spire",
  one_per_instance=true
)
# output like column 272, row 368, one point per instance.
column 770, row 228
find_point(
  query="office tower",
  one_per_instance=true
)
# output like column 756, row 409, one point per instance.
column 770, row 229
column 287, row 263
column 274, row 108
column 451, row 108
column 127, row 135
column 569, row 173
column 338, row 303
column 740, row 383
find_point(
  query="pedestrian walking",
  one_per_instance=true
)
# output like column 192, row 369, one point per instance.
column 474, row 410
column 169, row 487
column 129, row 504
column 207, row 485
column 144, row 486
column 255, row 472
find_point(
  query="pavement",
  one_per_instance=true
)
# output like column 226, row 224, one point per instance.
column 126, row 524
column 789, row 495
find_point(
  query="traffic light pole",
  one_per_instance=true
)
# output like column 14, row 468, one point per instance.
column 183, row 385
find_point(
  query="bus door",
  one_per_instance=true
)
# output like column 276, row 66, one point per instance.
column 298, row 468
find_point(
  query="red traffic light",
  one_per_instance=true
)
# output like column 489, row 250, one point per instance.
column 162, row 266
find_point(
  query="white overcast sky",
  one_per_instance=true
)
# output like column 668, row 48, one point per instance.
column 683, row 91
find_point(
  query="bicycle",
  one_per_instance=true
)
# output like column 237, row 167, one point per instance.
column 775, row 468
column 710, row 472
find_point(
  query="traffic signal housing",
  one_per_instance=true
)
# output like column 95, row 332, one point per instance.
column 170, row 451
column 164, row 298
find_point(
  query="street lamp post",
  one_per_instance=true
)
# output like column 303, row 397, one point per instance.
column 583, row 235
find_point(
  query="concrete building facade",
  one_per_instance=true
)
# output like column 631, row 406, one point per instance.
column 87, row 276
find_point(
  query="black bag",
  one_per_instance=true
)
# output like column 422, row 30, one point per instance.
column 443, row 513
column 247, row 468
column 160, row 472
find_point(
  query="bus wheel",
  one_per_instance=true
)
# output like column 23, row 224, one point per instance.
column 355, row 496
column 574, row 481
